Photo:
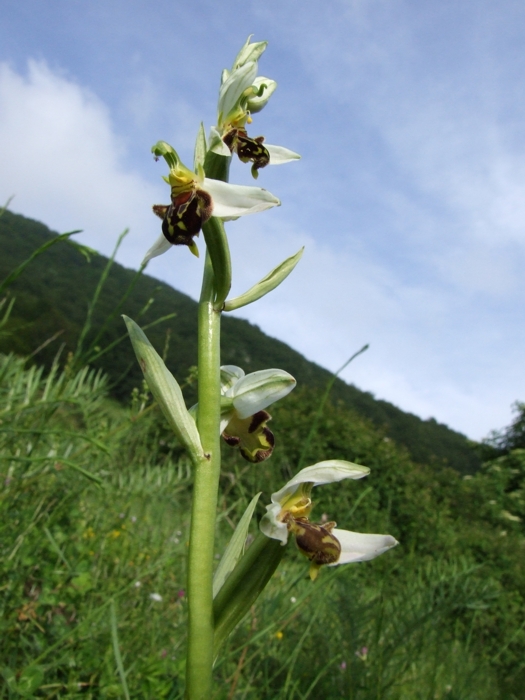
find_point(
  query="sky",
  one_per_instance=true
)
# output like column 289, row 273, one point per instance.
column 409, row 197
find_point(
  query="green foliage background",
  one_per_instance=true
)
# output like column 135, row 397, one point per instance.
column 94, row 521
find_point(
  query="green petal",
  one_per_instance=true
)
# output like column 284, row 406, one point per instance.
column 255, row 104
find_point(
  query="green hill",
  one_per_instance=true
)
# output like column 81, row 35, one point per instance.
column 52, row 297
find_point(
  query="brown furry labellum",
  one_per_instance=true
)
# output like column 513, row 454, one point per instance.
column 183, row 219
column 248, row 149
column 316, row 542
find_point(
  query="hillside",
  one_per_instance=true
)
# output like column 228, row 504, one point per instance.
column 52, row 297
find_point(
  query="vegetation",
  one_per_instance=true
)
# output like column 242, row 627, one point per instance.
column 46, row 314
column 94, row 520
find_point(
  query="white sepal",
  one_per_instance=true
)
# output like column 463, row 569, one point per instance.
column 326, row 472
column 230, row 375
column 217, row 145
column 233, row 87
column 226, row 416
column 280, row 154
column 232, row 201
column 199, row 153
column 258, row 390
column 271, row 526
column 249, row 52
column 160, row 246
column 358, row 546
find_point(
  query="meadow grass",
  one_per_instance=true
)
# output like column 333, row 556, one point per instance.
column 94, row 519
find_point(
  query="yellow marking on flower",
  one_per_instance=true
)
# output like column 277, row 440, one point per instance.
column 182, row 179
column 298, row 505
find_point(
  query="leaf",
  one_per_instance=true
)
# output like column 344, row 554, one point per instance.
column 272, row 280
column 30, row 680
column 235, row 547
column 166, row 390
column 9, row 677
column 244, row 585
column 82, row 583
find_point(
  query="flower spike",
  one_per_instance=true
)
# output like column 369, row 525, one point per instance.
column 242, row 94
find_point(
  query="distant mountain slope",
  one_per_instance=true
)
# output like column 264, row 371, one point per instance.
column 53, row 293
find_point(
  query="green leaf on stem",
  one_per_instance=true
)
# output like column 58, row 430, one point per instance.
column 244, row 585
column 235, row 547
column 272, row 280
column 165, row 390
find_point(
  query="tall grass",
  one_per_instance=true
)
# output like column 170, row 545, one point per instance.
column 94, row 522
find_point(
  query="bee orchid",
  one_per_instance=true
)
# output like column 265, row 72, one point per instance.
column 244, row 398
column 322, row 544
column 195, row 198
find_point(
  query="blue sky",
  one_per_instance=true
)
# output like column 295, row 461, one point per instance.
column 409, row 198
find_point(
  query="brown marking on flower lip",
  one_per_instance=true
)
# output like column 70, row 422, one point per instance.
column 231, row 440
column 261, row 455
column 142, row 362
column 247, row 149
column 316, row 542
column 183, row 219
column 160, row 210
column 257, row 419
column 254, row 440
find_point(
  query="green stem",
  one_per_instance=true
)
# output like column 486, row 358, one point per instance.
column 199, row 661
column 205, row 488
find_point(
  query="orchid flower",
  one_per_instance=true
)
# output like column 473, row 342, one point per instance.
column 242, row 94
column 244, row 398
column 195, row 198
column 322, row 544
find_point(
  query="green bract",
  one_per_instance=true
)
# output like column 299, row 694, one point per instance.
column 272, row 280
column 165, row 390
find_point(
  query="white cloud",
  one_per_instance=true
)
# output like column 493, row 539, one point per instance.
column 63, row 162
